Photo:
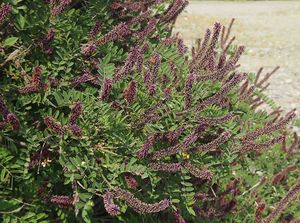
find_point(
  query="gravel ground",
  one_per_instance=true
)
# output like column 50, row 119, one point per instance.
column 269, row 30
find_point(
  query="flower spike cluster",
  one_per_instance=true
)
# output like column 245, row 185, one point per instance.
column 203, row 174
column 36, row 83
column 106, row 89
column 270, row 128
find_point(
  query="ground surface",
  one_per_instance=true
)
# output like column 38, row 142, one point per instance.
column 269, row 30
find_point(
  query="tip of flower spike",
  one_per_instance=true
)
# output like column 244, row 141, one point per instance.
column 217, row 25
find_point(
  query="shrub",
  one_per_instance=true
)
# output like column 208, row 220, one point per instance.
column 107, row 117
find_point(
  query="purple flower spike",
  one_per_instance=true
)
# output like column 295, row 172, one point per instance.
column 62, row 201
column 109, row 205
column 106, row 89
column 130, row 92
column 95, row 30
column 169, row 167
column 5, row 10
column 52, row 124
column 140, row 206
column 13, row 120
column 76, row 112
column 143, row 152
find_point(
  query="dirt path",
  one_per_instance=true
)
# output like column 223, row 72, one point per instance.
column 269, row 30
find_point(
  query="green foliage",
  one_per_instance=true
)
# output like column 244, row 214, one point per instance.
column 84, row 167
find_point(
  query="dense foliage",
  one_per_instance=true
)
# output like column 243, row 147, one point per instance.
column 107, row 117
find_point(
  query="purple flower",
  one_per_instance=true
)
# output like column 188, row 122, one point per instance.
column 167, row 92
column 140, row 206
column 182, row 49
column 128, row 66
column 37, row 76
column 116, row 105
column 2, row 125
column 147, row 30
column 75, row 130
column 174, row 10
column 109, row 204
column 217, row 120
column 217, row 97
column 139, row 61
column 139, row 18
column 106, row 89
column 213, row 144
column 170, row 40
column 200, row 52
column 143, row 152
column 5, row 10
column 203, row 174
column 173, row 136
column 131, row 181
column 54, row 82
column 59, row 7
column 76, row 111
column 156, row 63
column 144, row 48
column 174, row 73
column 251, row 146
column 36, row 83
column 231, row 64
column 130, row 92
column 270, row 128
column 29, row 88
column 147, row 78
column 62, row 201
column 152, row 89
column 282, row 204
column 169, row 167
column 117, row 33
column 188, row 90
column 13, row 120
column 183, row 146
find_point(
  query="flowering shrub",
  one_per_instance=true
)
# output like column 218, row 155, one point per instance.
column 108, row 117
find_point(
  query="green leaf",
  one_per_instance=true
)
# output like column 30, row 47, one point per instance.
column 10, row 41
column 87, row 211
column 21, row 21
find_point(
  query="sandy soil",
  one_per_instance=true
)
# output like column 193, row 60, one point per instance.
column 269, row 30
